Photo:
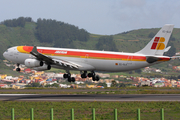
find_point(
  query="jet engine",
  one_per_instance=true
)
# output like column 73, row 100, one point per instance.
column 33, row 63
column 42, row 68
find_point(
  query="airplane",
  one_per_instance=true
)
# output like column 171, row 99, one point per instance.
column 43, row 58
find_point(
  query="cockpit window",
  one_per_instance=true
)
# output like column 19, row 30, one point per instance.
column 6, row 50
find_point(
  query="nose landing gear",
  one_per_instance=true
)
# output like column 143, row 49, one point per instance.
column 18, row 69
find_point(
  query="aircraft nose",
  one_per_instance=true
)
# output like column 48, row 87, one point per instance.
column 4, row 54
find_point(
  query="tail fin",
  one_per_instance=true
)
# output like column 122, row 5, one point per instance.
column 157, row 46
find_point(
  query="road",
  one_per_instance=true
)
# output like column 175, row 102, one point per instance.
column 95, row 97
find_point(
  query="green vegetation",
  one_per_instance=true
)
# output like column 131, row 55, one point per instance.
column 20, row 22
column 83, row 110
column 113, row 90
column 59, row 33
column 106, row 43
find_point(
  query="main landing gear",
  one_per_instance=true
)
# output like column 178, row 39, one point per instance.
column 94, row 76
column 18, row 69
column 68, row 76
column 83, row 75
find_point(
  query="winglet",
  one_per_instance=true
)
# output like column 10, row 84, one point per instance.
column 40, row 56
column 34, row 51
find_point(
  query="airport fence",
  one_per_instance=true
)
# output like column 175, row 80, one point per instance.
column 72, row 116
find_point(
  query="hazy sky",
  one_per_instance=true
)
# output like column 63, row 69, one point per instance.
column 97, row 16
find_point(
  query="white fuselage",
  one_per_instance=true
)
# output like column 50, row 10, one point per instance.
column 89, row 60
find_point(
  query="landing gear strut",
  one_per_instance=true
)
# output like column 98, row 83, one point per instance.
column 68, row 76
column 84, row 75
column 18, row 69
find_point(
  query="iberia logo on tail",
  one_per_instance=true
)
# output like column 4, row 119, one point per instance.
column 158, row 43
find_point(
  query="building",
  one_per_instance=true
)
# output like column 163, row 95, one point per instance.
column 28, row 70
column 3, row 76
column 108, row 84
column 145, row 83
column 90, row 86
column 4, row 86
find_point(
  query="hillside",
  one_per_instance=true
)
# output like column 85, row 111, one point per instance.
column 31, row 33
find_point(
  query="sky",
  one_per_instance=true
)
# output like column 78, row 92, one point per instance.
column 105, row 17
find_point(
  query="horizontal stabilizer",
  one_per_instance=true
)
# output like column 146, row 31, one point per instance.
column 175, row 57
column 167, row 49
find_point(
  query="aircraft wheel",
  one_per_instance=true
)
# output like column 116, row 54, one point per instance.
column 18, row 69
column 97, row 77
column 69, row 79
column 90, row 74
column 94, row 78
column 83, row 75
column 73, row 79
column 65, row 76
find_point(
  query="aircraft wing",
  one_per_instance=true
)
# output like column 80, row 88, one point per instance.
column 50, row 61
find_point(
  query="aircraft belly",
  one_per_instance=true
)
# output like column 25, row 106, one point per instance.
column 106, row 65
column 95, row 64
column 115, row 65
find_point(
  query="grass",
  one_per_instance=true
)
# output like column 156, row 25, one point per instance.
column 128, row 90
column 83, row 110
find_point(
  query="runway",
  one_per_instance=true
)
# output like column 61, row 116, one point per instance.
column 94, row 97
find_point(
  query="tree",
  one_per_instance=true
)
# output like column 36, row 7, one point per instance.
column 113, row 83
column 151, row 35
column 35, row 85
column 102, row 84
column 17, row 22
column 172, row 50
column 106, row 43
column 59, row 33
column 121, row 85
column 138, row 71
column 55, row 85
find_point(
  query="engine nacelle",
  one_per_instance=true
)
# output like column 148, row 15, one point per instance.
column 42, row 68
column 33, row 63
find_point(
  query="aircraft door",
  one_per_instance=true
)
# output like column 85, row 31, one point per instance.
column 129, row 61
column 86, row 57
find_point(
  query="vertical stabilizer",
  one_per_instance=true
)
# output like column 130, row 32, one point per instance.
column 159, row 42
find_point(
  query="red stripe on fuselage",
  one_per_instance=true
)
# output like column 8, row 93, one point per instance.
column 87, row 54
